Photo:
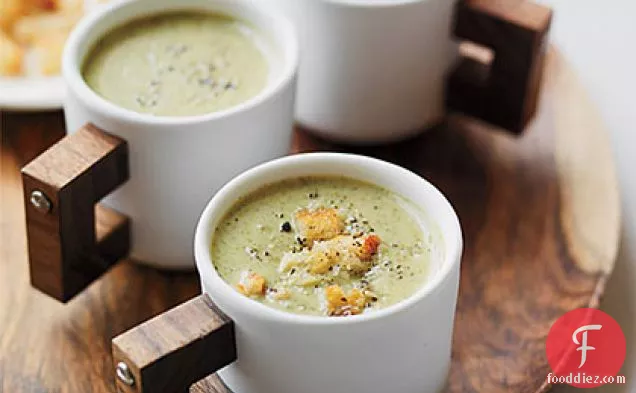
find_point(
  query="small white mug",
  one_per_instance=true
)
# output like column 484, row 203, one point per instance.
column 174, row 163
column 404, row 348
column 377, row 70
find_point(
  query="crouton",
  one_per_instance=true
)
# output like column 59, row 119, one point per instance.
column 320, row 261
column 33, row 6
column 69, row 5
column 11, row 56
column 317, row 224
column 36, row 27
column 351, row 254
column 369, row 247
column 10, row 11
column 339, row 304
column 48, row 51
column 251, row 284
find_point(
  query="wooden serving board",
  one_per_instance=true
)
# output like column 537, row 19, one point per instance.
column 541, row 222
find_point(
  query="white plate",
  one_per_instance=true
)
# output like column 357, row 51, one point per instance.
column 34, row 93
column 31, row 93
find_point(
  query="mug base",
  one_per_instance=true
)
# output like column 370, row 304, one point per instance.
column 357, row 138
column 181, row 268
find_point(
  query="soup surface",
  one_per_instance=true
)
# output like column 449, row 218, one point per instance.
column 178, row 64
column 323, row 246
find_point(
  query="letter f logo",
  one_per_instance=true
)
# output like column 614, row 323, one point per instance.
column 584, row 347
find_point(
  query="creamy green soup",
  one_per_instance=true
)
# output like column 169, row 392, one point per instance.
column 323, row 246
column 178, row 64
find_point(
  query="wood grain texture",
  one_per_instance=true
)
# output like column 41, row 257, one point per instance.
column 540, row 214
column 173, row 350
column 65, row 252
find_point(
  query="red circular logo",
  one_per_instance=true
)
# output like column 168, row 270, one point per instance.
column 585, row 348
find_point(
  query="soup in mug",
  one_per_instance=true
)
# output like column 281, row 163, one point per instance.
column 323, row 246
column 178, row 64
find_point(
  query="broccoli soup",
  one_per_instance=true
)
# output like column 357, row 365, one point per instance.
column 178, row 64
column 323, row 246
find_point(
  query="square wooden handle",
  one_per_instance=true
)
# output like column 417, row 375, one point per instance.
column 505, row 91
column 71, row 240
column 171, row 351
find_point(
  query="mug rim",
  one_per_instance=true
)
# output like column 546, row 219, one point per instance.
column 452, row 242
column 72, row 69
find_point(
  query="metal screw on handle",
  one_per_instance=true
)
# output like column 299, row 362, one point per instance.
column 124, row 374
column 40, row 201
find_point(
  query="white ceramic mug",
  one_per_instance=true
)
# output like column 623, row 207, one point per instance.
column 405, row 348
column 176, row 163
column 376, row 70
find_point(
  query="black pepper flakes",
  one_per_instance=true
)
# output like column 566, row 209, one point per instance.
column 286, row 227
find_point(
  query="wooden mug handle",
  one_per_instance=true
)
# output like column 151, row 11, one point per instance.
column 172, row 351
column 504, row 90
column 71, row 240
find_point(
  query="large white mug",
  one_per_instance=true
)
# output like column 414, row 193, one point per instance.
column 405, row 348
column 377, row 70
column 174, row 163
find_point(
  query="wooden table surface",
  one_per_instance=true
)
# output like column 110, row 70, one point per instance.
column 541, row 221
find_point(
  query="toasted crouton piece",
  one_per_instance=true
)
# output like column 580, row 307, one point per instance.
column 351, row 254
column 369, row 247
column 34, row 6
column 69, row 5
column 10, row 56
column 341, row 250
column 41, row 25
column 252, row 284
column 37, row 6
column 48, row 52
column 320, row 261
column 318, row 224
column 10, row 11
column 339, row 304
